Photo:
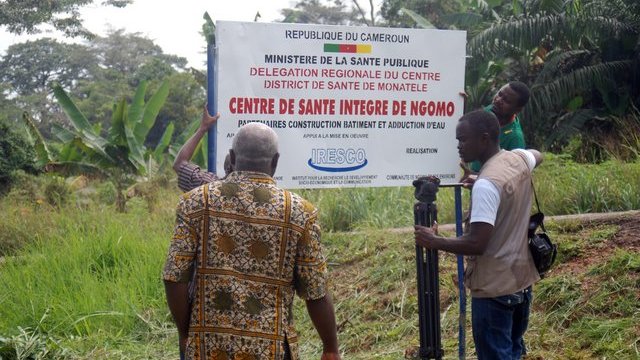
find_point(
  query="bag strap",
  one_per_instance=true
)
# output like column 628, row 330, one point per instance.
column 535, row 196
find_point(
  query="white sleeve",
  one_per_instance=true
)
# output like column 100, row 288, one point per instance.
column 528, row 155
column 485, row 199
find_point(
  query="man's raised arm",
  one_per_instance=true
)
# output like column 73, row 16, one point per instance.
column 186, row 151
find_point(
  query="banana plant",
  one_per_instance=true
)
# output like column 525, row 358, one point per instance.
column 121, row 155
column 123, row 148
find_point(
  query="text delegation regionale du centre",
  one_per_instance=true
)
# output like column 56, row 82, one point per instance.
column 360, row 74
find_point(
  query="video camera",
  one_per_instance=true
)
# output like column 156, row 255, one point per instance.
column 426, row 188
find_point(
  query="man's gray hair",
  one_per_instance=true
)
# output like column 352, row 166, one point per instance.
column 255, row 144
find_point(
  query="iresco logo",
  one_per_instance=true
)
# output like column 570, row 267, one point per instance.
column 338, row 159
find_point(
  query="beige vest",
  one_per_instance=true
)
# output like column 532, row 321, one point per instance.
column 506, row 265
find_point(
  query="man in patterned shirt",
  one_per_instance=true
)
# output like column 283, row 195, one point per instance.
column 252, row 246
column 190, row 176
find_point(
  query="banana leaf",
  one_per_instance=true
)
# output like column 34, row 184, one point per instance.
column 200, row 154
column 74, row 168
column 84, row 130
column 164, row 142
column 62, row 134
column 136, row 155
column 117, row 135
column 151, row 111
column 420, row 21
column 187, row 132
column 40, row 146
column 70, row 152
column 136, row 110
column 78, row 120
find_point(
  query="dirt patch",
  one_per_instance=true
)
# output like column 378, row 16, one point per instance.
column 627, row 237
column 629, row 234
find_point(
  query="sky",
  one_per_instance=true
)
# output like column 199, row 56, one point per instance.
column 173, row 25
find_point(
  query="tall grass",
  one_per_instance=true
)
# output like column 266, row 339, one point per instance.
column 88, row 273
column 373, row 208
column 566, row 187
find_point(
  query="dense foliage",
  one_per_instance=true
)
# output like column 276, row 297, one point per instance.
column 96, row 73
column 16, row 153
column 26, row 16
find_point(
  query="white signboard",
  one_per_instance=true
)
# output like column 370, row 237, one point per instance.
column 352, row 106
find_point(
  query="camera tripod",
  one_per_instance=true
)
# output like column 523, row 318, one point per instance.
column 425, row 213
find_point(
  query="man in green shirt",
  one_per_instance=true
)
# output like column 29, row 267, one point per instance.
column 506, row 104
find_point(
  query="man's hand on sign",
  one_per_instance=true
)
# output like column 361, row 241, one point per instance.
column 207, row 120
column 465, row 97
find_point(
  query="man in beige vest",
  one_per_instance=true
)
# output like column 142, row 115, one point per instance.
column 500, row 270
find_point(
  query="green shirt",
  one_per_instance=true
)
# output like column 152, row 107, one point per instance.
column 511, row 137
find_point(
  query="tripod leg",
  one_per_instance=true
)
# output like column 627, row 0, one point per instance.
column 421, row 278
column 435, row 344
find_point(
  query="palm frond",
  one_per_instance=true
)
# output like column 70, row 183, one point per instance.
column 528, row 32
column 523, row 33
column 604, row 25
column 551, row 67
column 548, row 96
column 549, row 6
column 569, row 124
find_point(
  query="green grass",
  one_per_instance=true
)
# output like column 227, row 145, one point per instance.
column 83, row 281
column 373, row 208
column 89, row 277
column 566, row 187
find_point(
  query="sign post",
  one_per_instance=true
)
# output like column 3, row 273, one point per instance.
column 212, row 107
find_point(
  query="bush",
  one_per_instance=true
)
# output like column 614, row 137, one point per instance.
column 57, row 192
column 107, row 193
column 25, row 188
column 15, row 154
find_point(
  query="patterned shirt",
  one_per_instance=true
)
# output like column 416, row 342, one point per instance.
column 253, row 245
column 190, row 176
